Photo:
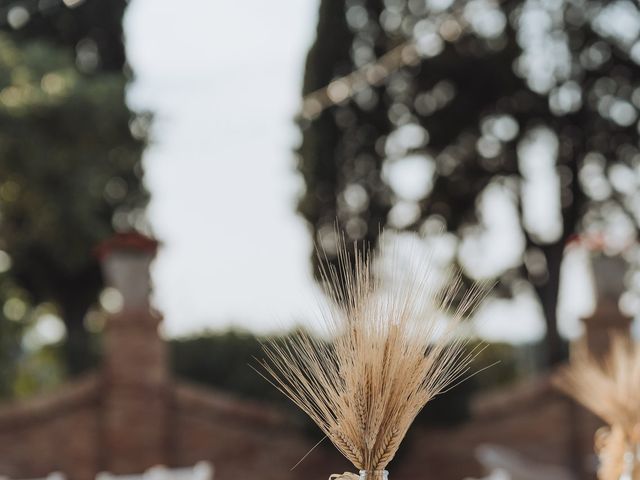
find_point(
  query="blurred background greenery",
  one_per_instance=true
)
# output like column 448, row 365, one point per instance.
column 534, row 102
column 70, row 176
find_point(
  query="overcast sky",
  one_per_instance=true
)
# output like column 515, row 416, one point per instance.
column 224, row 79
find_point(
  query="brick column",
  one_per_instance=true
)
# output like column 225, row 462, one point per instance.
column 607, row 319
column 135, row 401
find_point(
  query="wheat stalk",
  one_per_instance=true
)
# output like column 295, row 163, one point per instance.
column 388, row 353
column 610, row 388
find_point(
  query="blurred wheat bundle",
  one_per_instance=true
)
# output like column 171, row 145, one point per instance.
column 389, row 351
column 610, row 388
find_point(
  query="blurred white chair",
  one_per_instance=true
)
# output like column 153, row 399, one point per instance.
column 200, row 471
column 510, row 465
column 497, row 474
column 51, row 476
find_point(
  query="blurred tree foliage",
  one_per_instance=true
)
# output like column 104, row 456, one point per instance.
column 91, row 30
column 39, row 371
column 10, row 352
column 224, row 361
column 70, row 171
column 532, row 101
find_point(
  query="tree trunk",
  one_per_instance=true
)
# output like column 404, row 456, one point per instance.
column 75, row 297
column 78, row 352
column 548, row 292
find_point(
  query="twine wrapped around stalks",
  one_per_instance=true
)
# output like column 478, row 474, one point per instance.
column 610, row 388
column 344, row 476
column 384, row 352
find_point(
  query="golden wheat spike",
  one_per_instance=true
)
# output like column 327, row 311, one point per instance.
column 389, row 352
column 610, row 388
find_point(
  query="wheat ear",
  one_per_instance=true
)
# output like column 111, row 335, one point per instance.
column 387, row 349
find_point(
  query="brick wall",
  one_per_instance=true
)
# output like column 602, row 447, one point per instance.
column 532, row 420
column 244, row 440
column 57, row 432
column 132, row 416
column 247, row 440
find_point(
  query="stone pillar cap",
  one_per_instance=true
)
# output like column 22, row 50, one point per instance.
column 130, row 241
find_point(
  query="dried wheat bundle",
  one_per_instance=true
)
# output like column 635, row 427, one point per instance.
column 386, row 352
column 610, row 388
column 611, row 447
